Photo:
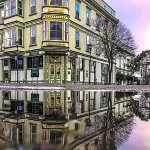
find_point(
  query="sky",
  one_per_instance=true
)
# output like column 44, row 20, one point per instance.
column 139, row 138
column 135, row 15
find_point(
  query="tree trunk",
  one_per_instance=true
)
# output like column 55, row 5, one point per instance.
column 110, row 72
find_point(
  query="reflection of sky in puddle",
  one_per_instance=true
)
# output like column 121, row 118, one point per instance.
column 140, row 137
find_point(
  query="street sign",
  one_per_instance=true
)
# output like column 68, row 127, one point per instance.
column 20, row 62
column 19, row 108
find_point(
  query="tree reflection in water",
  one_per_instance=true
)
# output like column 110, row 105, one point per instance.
column 141, row 107
column 116, row 129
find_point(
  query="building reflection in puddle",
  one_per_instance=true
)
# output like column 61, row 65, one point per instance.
column 60, row 119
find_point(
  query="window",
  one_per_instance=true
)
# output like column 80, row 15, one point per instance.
column 10, row 37
column 17, row 104
column 87, row 43
column 20, row 7
column 77, row 10
column 106, row 24
column 82, row 64
column 35, row 108
column 77, row 39
column 119, row 60
column 56, row 2
column 13, row 63
column 88, row 16
column 55, row 137
column 20, row 36
column 6, row 95
column 45, row 2
column 111, row 12
column 35, row 62
column 45, row 25
column 97, row 22
column 7, row 9
column 104, row 6
column 34, row 97
column 98, row 48
column 13, row 7
column 6, row 62
column 6, row 75
column 13, row 37
column 33, row 35
column 10, row 8
column 14, row 134
column 33, row 134
column 66, row 3
column 20, row 134
column 56, row 30
column 33, row 6
column 2, row 16
column 76, row 125
column 66, row 31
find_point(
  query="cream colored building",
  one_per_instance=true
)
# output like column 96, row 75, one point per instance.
column 53, row 38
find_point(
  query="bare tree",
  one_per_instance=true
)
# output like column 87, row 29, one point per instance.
column 113, row 39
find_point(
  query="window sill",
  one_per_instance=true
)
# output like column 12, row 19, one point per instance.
column 14, row 16
column 78, row 48
column 13, row 46
column 88, row 24
column 78, row 18
column 34, row 68
column 33, row 14
column 16, row 69
column 31, row 45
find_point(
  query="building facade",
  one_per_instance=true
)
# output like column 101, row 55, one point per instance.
column 47, row 41
column 53, row 38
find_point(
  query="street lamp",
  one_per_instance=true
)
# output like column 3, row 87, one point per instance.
column 17, row 44
column 90, row 49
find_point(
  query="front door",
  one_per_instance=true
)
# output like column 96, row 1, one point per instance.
column 55, row 73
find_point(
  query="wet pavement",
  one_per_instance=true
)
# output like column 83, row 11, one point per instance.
column 64, row 120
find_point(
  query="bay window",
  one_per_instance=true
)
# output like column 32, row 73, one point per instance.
column 45, row 25
column 57, row 30
column 66, row 31
column 11, row 37
column 56, row 2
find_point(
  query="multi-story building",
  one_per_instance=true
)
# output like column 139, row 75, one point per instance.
column 48, row 41
column 52, row 40
column 62, row 133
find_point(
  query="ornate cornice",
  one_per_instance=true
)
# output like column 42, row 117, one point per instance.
column 100, row 9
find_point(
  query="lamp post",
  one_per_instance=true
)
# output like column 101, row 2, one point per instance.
column 90, row 48
column 17, row 43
